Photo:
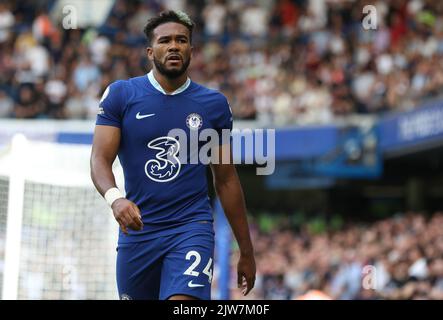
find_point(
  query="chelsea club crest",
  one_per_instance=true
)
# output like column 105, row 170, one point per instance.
column 194, row 121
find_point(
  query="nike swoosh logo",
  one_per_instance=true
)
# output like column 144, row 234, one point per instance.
column 194, row 285
column 142, row 116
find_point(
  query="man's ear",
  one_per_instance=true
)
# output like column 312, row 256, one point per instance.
column 150, row 53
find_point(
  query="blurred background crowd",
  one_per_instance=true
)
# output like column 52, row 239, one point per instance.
column 279, row 62
column 395, row 258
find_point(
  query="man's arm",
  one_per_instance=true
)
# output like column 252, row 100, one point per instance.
column 229, row 190
column 104, row 151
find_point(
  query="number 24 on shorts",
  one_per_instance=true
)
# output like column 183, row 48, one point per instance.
column 191, row 270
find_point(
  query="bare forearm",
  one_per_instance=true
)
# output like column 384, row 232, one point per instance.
column 232, row 199
column 104, row 151
column 102, row 175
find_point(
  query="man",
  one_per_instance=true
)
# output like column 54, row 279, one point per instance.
column 166, row 243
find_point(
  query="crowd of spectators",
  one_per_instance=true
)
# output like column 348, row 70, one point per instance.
column 280, row 62
column 396, row 258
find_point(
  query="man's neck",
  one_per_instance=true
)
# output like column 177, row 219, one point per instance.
column 170, row 85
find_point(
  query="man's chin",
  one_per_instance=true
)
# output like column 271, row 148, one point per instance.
column 172, row 72
column 174, row 69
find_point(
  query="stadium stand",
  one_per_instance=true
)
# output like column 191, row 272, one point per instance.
column 280, row 62
column 403, row 252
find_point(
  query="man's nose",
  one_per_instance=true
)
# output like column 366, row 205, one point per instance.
column 173, row 46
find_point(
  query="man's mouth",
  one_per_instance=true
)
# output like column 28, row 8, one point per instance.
column 174, row 57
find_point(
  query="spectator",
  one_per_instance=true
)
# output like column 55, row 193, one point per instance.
column 7, row 20
column 402, row 254
column 316, row 63
column 30, row 102
column 6, row 105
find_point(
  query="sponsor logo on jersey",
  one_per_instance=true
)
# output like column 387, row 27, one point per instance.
column 166, row 165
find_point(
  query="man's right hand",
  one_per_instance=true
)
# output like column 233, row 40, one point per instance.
column 127, row 215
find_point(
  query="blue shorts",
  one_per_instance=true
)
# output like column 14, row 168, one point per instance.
column 165, row 266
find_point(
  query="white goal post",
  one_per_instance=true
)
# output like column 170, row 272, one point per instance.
column 57, row 234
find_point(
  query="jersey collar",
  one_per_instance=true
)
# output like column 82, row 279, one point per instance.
column 157, row 85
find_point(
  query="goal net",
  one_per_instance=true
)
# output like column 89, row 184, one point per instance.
column 57, row 234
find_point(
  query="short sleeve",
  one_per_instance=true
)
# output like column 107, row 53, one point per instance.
column 111, row 105
column 224, row 119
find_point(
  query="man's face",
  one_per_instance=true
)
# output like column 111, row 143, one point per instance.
column 171, row 49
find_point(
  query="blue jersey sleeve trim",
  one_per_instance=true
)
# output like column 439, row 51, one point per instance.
column 112, row 104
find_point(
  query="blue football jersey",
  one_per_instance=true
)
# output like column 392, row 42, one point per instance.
column 172, row 196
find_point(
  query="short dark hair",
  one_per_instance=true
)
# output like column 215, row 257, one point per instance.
column 165, row 17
